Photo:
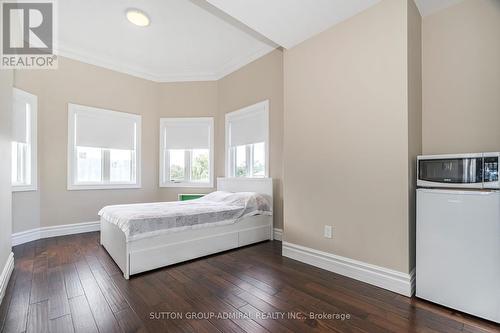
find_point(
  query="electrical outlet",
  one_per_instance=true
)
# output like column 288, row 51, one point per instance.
column 328, row 231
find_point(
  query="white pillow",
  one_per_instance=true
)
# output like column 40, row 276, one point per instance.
column 217, row 196
column 242, row 199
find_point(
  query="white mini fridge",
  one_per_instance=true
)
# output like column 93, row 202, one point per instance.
column 458, row 250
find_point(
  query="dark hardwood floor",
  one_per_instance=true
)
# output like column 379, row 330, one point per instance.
column 70, row 284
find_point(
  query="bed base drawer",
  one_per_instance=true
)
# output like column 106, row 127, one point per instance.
column 150, row 253
column 142, row 261
column 254, row 235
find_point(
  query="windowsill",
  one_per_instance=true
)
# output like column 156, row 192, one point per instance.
column 184, row 185
column 103, row 187
column 27, row 188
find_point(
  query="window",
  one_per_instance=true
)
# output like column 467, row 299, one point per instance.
column 186, row 154
column 103, row 149
column 24, row 141
column 247, row 144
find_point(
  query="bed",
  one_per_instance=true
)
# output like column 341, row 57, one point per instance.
column 143, row 243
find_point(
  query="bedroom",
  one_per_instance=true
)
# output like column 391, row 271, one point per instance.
column 321, row 109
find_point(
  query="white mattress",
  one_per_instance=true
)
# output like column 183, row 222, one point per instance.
column 139, row 221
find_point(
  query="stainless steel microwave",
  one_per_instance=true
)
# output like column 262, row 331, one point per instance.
column 479, row 171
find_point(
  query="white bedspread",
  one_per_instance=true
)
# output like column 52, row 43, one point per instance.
column 218, row 208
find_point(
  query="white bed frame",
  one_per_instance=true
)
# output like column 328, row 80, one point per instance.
column 146, row 254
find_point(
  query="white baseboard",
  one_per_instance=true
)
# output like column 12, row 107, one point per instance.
column 278, row 234
column 5, row 276
column 59, row 230
column 401, row 283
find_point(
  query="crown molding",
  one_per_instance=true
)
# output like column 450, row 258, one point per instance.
column 234, row 65
column 122, row 67
column 117, row 66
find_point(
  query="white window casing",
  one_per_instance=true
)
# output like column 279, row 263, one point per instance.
column 107, row 131
column 24, row 141
column 246, row 128
column 187, row 135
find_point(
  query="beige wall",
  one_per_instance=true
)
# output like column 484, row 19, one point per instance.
column 347, row 142
column 461, row 78
column 6, row 77
column 76, row 82
column 261, row 80
column 25, row 210
column 414, row 116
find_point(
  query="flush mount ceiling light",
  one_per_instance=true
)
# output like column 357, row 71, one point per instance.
column 138, row 17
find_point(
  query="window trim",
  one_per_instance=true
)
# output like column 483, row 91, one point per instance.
column 72, row 165
column 33, row 101
column 163, row 157
column 249, row 159
column 258, row 107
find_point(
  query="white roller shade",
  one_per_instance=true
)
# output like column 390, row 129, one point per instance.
column 20, row 118
column 248, row 128
column 105, row 129
column 187, row 134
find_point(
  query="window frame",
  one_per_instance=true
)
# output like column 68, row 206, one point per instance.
column 249, row 160
column 164, row 158
column 33, row 140
column 72, row 185
column 229, row 155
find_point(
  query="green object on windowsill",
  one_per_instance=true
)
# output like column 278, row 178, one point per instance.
column 185, row 197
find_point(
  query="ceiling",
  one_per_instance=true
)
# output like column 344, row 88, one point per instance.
column 290, row 22
column 428, row 7
column 196, row 40
column 184, row 41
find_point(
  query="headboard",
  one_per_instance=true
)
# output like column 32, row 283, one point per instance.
column 260, row 185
